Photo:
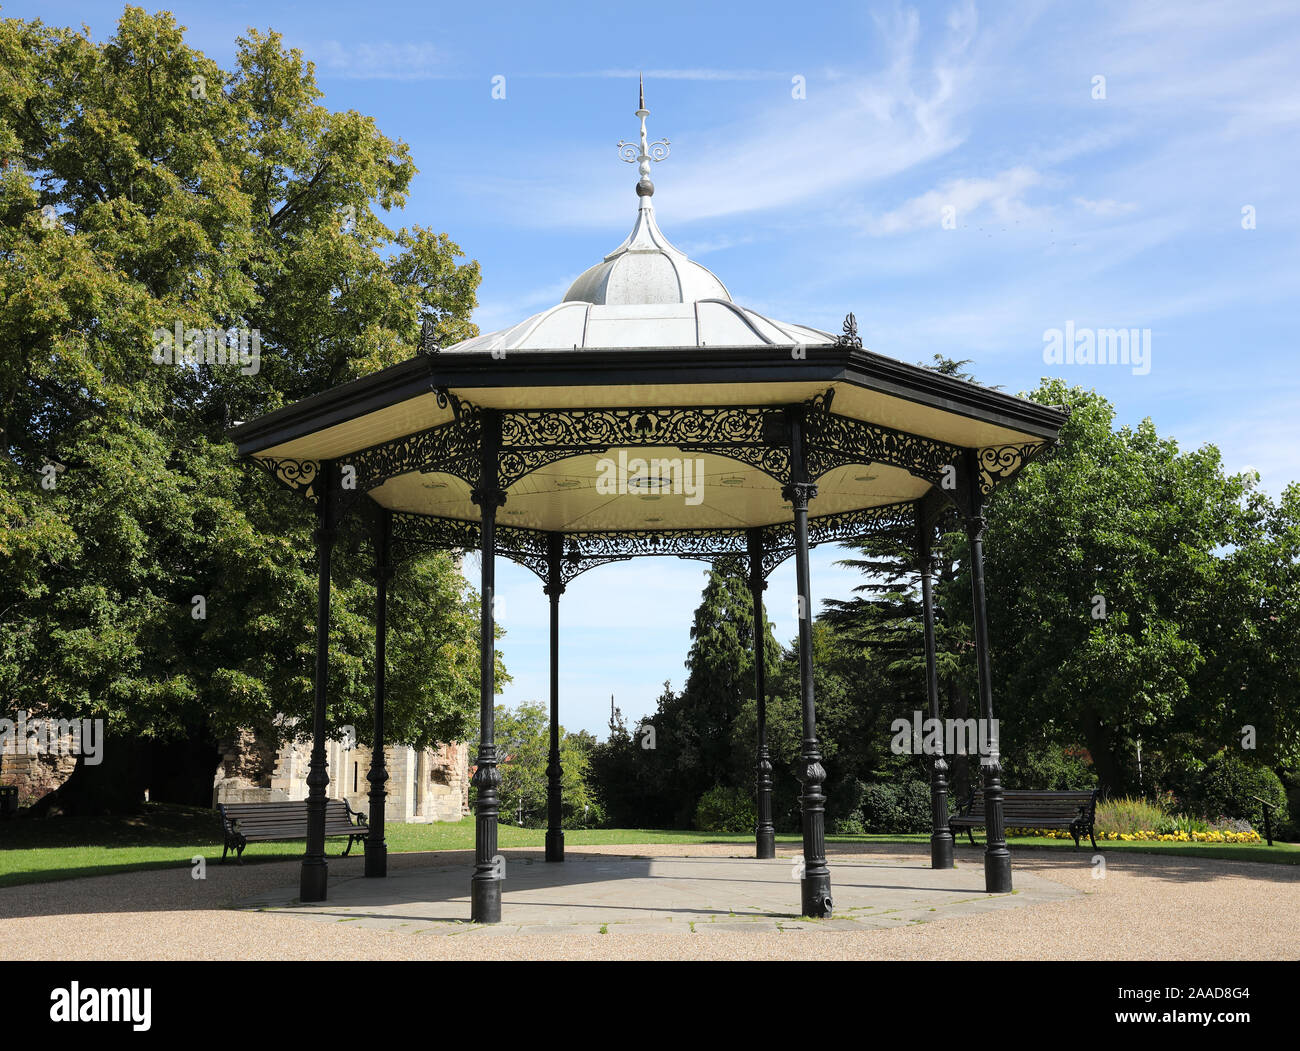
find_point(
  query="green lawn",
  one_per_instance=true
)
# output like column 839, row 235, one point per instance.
column 167, row 836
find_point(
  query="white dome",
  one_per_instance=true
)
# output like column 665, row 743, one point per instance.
column 646, row 268
column 595, row 326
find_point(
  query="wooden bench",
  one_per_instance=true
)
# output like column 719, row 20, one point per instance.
column 1073, row 811
column 244, row 823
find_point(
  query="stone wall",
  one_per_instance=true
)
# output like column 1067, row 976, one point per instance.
column 35, row 775
column 424, row 786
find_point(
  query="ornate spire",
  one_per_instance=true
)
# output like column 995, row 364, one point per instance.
column 649, row 151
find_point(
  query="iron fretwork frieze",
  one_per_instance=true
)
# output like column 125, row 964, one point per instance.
column 534, row 438
column 298, row 475
column 450, row 448
column 833, row 441
column 583, row 551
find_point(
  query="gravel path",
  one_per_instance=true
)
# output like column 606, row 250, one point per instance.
column 1148, row 907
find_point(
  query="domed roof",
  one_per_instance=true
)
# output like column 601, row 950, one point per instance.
column 646, row 268
column 645, row 293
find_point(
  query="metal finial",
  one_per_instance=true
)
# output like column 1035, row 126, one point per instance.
column 649, row 151
column 428, row 342
column 850, row 338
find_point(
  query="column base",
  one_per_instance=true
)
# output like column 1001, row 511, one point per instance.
column 376, row 858
column 484, row 900
column 997, row 871
column 554, row 844
column 765, row 844
column 941, row 850
column 314, row 880
column 816, row 896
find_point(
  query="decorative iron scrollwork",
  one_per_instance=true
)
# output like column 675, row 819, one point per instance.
column 835, row 441
column 584, row 551
column 298, row 475
column 841, row 527
column 999, row 464
column 450, row 448
column 428, row 343
column 849, row 337
column 534, row 438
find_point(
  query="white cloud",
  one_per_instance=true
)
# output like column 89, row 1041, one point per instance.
column 381, row 61
column 966, row 197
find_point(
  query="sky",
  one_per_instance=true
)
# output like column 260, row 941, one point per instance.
column 965, row 178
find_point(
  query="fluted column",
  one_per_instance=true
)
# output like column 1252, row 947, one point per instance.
column 554, row 772
column 314, row 877
column 485, row 885
column 376, row 848
column 764, row 831
column 815, row 886
column 940, row 834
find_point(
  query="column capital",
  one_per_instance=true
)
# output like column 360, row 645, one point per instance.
column 490, row 496
column 975, row 526
column 799, row 493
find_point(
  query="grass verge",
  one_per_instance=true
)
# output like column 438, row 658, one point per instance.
column 163, row 836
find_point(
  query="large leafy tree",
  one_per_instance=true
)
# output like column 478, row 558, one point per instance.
column 1106, row 581
column 524, row 741
column 144, row 187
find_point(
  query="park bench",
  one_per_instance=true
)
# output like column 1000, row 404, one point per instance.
column 1073, row 811
column 245, row 823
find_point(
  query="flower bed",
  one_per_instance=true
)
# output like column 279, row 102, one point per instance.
column 1148, row 835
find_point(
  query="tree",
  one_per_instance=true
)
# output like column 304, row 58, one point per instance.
column 1105, row 576
column 524, row 741
column 144, row 188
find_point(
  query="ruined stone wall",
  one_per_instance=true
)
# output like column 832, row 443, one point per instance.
column 432, row 785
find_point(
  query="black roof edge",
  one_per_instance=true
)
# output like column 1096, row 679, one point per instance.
column 823, row 364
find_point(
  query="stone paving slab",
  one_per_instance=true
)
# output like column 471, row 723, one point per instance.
column 688, row 895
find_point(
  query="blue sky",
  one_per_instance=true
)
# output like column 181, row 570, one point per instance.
column 1122, row 211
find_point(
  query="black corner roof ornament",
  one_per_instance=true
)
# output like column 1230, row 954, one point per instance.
column 850, row 338
column 428, row 345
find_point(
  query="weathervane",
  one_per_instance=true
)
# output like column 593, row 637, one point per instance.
column 653, row 151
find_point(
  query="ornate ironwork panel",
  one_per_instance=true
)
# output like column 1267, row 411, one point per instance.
column 584, row 551
column 451, row 448
column 835, row 441
column 533, row 438
column 838, row 528
column 298, row 475
column 999, row 464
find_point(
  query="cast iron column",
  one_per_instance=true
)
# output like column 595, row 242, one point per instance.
column 764, row 831
column 315, row 869
column 940, row 834
column 485, row 885
column 997, row 858
column 554, row 589
column 816, row 882
column 376, row 848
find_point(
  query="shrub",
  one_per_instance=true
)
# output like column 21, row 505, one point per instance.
column 726, row 810
column 903, row 807
column 1049, row 768
column 1227, row 787
column 849, row 826
column 1172, row 824
column 1129, row 815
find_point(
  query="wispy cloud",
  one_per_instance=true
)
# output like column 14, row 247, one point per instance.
column 957, row 200
column 380, row 61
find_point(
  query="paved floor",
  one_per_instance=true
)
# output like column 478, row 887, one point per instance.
column 685, row 895
column 1144, row 907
